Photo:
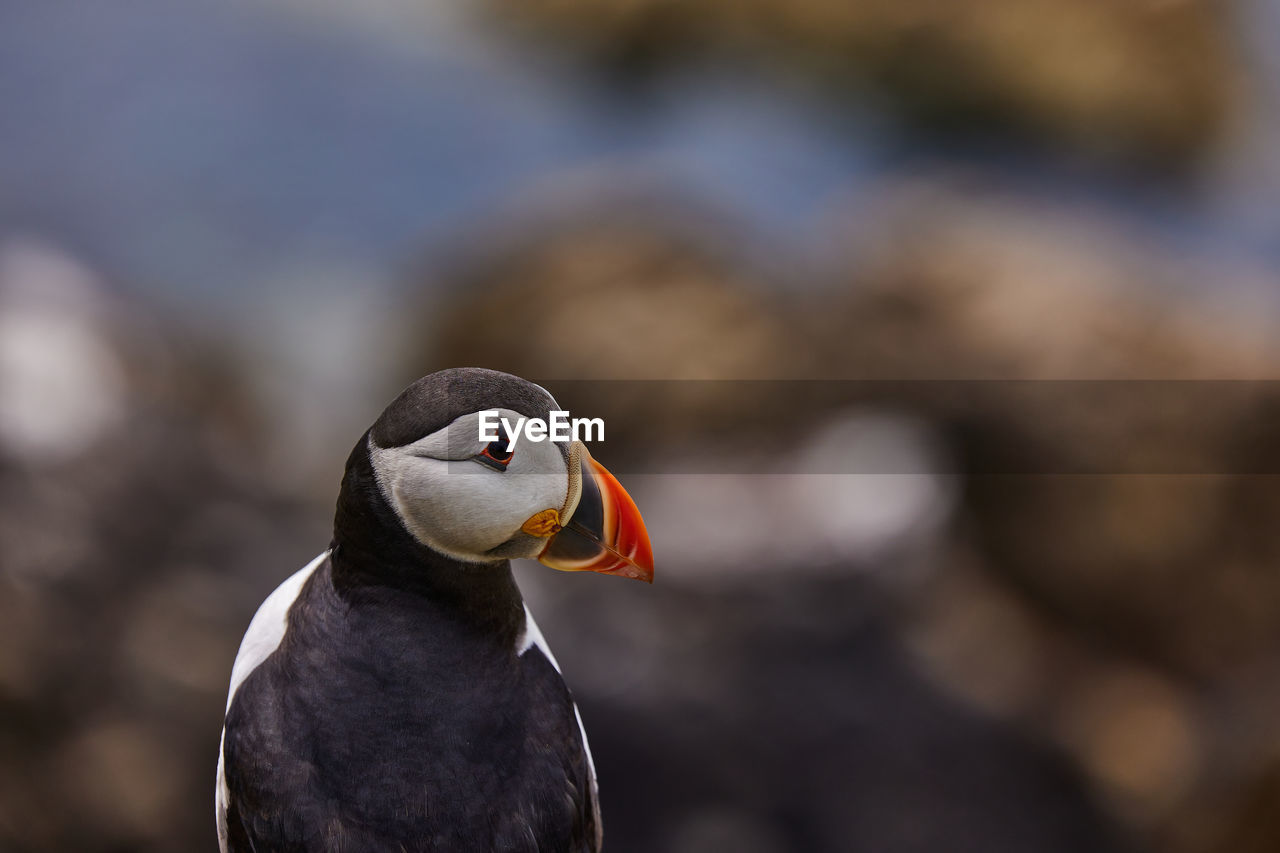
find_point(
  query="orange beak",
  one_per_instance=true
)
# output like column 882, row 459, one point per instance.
column 605, row 534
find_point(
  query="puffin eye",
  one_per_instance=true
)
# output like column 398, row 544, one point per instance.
column 496, row 454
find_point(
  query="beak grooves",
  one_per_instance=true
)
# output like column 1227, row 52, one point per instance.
column 605, row 533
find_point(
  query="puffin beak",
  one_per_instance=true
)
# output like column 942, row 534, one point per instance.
column 604, row 533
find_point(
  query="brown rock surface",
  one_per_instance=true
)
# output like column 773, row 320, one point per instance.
column 1110, row 575
column 137, row 535
column 1125, row 525
column 649, row 326
column 1150, row 82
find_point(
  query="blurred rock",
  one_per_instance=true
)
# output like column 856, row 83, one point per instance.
column 120, row 780
column 137, row 535
column 597, row 294
column 1099, row 421
column 635, row 317
column 880, row 511
column 782, row 709
column 1137, row 735
column 725, row 829
column 758, row 690
column 1252, row 825
column 1116, row 431
column 958, row 277
column 1146, row 82
column 1155, row 550
column 978, row 641
column 61, row 384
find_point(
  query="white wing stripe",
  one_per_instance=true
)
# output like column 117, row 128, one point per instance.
column 266, row 630
column 268, row 626
column 531, row 637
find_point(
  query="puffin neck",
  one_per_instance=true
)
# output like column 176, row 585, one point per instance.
column 373, row 556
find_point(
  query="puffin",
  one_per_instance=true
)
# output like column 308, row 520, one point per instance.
column 395, row 694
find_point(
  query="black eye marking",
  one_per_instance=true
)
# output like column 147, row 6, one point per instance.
column 496, row 454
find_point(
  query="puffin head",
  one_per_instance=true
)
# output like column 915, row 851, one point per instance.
column 485, row 501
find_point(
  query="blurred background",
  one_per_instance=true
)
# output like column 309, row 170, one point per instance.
column 933, row 340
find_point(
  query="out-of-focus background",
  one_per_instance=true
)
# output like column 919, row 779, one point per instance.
column 230, row 231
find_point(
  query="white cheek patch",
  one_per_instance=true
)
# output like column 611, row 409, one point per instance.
column 459, row 507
